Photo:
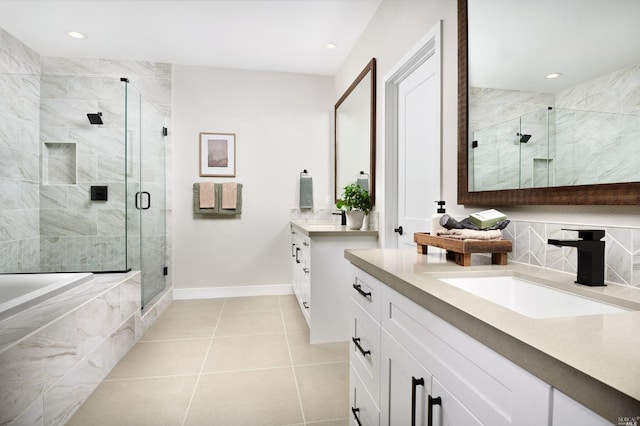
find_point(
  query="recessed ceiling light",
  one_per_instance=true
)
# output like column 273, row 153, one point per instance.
column 554, row 75
column 76, row 34
column 330, row 45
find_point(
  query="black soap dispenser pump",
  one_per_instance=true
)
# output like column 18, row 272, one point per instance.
column 435, row 219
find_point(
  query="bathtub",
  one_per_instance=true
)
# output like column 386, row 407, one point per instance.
column 21, row 291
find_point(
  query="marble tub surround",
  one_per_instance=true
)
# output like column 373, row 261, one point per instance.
column 622, row 249
column 54, row 354
column 587, row 358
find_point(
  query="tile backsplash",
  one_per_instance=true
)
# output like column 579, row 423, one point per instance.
column 622, row 249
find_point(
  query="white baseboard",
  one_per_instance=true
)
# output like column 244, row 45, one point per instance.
column 234, row 291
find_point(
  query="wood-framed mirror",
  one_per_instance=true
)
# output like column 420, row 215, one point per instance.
column 621, row 193
column 355, row 133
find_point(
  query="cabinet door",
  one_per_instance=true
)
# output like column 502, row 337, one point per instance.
column 405, row 386
column 447, row 410
column 363, row 410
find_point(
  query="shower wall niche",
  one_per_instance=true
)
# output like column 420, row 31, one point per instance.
column 59, row 163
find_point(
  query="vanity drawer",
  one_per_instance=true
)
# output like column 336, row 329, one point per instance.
column 365, row 349
column 361, row 404
column 365, row 290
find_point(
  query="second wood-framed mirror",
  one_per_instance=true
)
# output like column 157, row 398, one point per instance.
column 355, row 133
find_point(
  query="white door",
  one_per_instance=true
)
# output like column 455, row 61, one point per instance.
column 419, row 149
column 413, row 134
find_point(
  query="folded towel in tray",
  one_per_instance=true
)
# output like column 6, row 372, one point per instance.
column 470, row 234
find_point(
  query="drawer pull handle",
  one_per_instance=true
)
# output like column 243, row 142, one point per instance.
column 306, row 270
column 359, row 289
column 297, row 252
column 293, row 250
column 432, row 402
column 306, row 305
column 356, row 341
column 355, row 412
column 414, row 385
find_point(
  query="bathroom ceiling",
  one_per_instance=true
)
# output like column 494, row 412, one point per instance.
column 269, row 35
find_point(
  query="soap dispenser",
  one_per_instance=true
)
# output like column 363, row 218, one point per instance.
column 435, row 219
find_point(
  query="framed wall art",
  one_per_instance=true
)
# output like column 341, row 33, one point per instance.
column 218, row 154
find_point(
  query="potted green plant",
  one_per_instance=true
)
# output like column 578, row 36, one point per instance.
column 356, row 202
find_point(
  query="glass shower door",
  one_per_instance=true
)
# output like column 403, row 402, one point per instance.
column 146, row 201
column 152, row 201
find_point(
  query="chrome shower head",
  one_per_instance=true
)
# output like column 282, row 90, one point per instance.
column 95, row 118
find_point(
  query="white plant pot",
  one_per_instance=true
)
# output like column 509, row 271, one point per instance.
column 354, row 219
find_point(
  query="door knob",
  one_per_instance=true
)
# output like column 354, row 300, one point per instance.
column 399, row 230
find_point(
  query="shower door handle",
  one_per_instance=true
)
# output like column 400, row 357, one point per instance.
column 148, row 200
column 138, row 200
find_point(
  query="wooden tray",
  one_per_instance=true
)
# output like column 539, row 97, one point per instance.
column 460, row 250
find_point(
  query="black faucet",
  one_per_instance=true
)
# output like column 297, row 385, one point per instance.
column 590, row 255
column 343, row 217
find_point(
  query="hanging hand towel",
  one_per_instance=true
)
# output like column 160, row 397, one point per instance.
column 306, row 192
column 363, row 181
column 229, row 195
column 207, row 195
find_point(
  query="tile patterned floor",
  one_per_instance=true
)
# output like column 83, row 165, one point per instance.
column 235, row 361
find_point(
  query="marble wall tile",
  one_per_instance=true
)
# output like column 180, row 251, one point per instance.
column 133, row 70
column 66, row 396
column 66, row 113
column 118, row 344
column 17, row 57
column 68, row 66
column 59, row 223
column 45, row 376
column 32, row 416
column 111, row 222
column 30, row 367
column 18, row 224
column 18, row 195
column 96, row 88
column 130, row 296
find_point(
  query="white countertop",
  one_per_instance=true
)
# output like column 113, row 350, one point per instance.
column 595, row 359
column 330, row 229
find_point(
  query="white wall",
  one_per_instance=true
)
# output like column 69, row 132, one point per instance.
column 283, row 124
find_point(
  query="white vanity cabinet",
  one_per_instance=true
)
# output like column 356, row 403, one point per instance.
column 320, row 276
column 426, row 367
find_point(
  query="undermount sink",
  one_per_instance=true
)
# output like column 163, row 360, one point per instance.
column 531, row 299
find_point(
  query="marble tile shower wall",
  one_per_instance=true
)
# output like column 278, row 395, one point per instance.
column 622, row 249
column 77, row 234
column 19, row 156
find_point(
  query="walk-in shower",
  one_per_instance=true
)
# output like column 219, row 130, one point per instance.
column 56, row 168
